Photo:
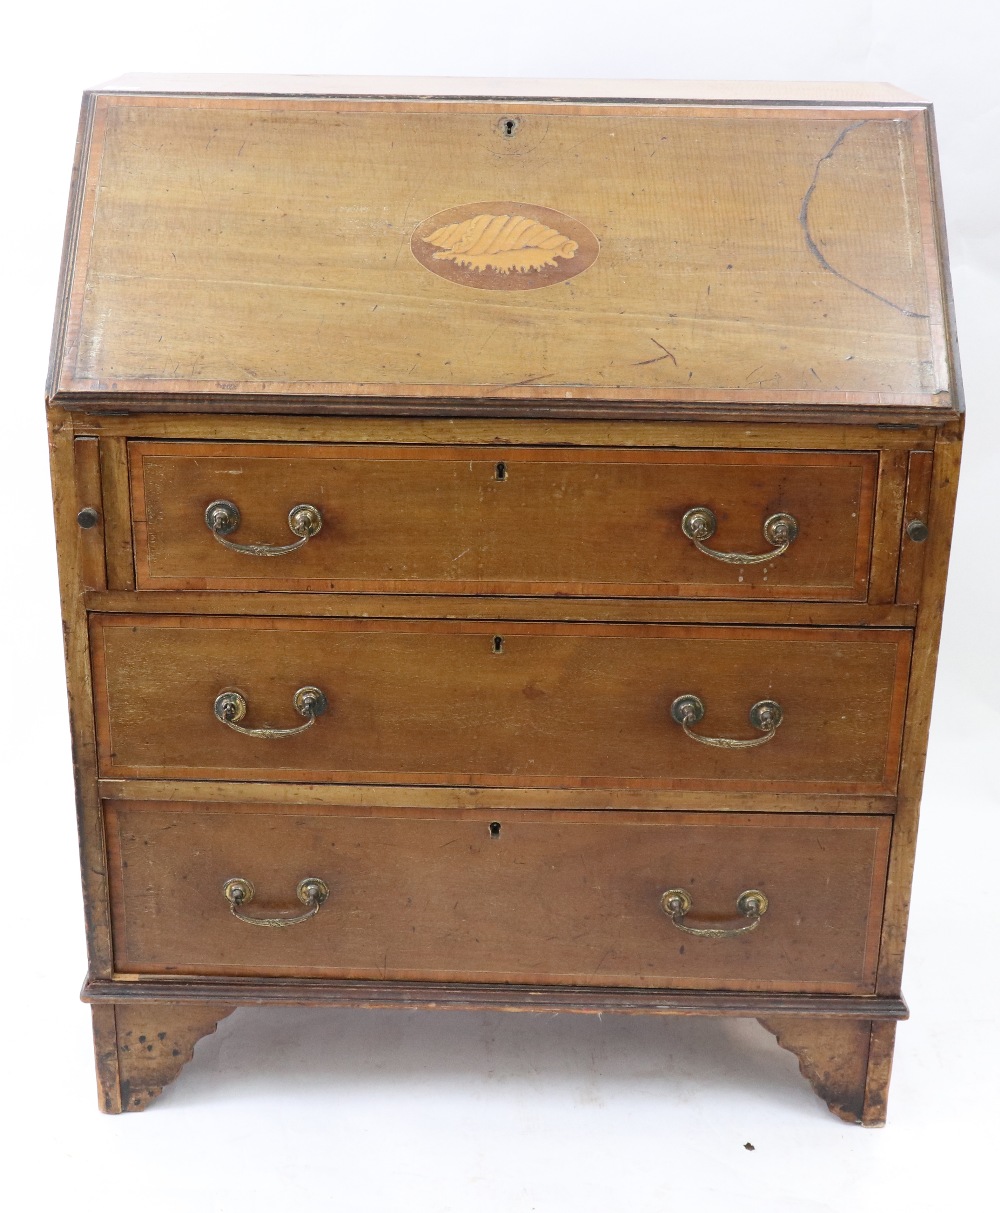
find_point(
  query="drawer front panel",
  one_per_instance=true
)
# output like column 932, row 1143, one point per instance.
column 503, row 520
column 532, row 705
column 570, row 898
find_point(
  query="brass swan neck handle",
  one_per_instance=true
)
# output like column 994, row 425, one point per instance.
column 780, row 530
column 223, row 517
column 230, row 707
column 751, row 904
column 765, row 715
column 311, row 891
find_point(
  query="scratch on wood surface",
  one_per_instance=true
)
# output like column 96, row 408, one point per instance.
column 405, row 242
column 814, row 248
column 659, row 358
column 597, row 967
column 529, row 380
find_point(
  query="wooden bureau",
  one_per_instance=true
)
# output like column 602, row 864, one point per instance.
column 502, row 534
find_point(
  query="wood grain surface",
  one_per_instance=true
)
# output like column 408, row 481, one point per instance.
column 503, row 520
column 916, row 511
column 546, row 897
column 847, row 1063
column 140, row 1047
column 484, row 996
column 76, row 564
column 112, row 416
column 927, row 635
column 535, row 705
column 775, row 254
column 502, row 341
column 90, row 538
column 780, row 612
column 458, row 800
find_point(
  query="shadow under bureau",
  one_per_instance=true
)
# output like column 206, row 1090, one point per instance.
column 502, row 544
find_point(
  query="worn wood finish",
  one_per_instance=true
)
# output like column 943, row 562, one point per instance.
column 459, row 800
column 140, row 1047
column 559, row 705
column 761, row 412
column 842, row 301
column 708, row 433
column 944, row 487
column 90, row 540
column 117, row 521
column 73, row 572
column 913, row 547
column 846, row 1061
column 564, row 898
column 880, row 1051
column 480, row 996
column 885, row 539
column 526, row 610
column 724, row 291
column 503, row 520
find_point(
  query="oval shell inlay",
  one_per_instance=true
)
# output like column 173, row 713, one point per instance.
column 504, row 246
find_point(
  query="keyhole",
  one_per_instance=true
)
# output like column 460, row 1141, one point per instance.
column 501, row 471
column 494, row 829
column 497, row 644
column 509, row 127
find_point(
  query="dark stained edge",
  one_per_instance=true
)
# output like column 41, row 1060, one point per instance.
column 934, row 413
column 417, row 995
column 957, row 391
column 71, row 236
column 833, row 1062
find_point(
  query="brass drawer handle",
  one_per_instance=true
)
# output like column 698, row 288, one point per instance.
column 752, row 904
column 312, row 892
column 223, row 517
column 699, row 524
column 764, row 715
column 230, row 707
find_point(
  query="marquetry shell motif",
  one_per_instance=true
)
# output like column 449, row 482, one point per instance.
column 504, row 245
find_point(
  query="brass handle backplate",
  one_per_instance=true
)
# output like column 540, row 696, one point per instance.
column 699, row 524
column 311, row 891
column 765, row 715
column 230, row 707
column 223, row 517
column 752, row 904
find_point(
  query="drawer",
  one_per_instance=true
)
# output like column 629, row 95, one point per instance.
column 502, row 520
column 526, row 704
column 560, row 898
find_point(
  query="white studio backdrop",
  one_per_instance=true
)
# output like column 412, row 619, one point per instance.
column 371, row 1111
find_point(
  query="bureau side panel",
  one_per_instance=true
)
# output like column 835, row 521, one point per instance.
column 75, row 487
column 944, row 486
